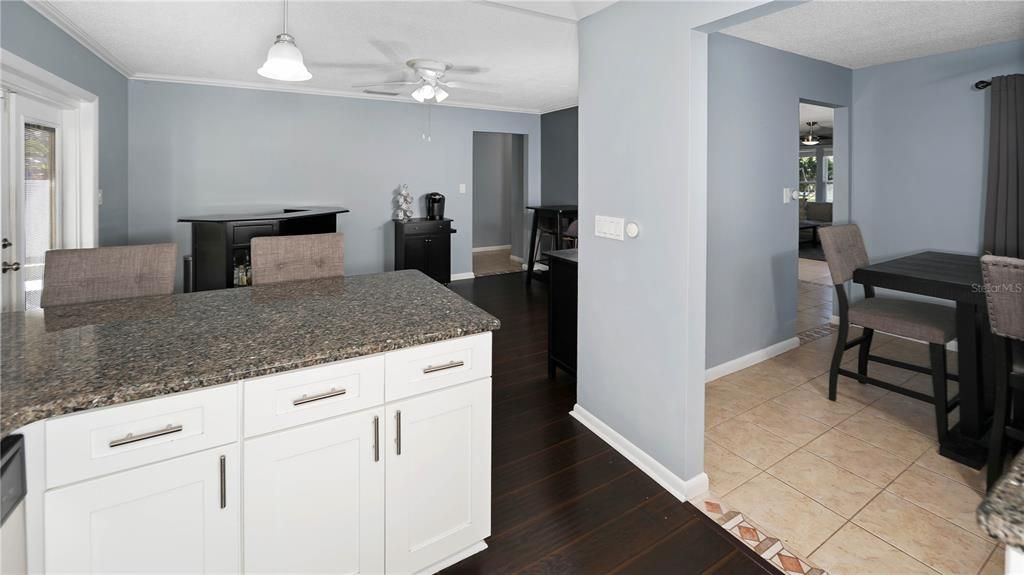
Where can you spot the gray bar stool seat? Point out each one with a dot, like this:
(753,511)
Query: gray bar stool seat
(99,274)
(932,323)
(290,258)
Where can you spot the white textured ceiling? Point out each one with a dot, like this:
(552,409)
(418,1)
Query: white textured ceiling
(811,113)
(526,60)
(867,33)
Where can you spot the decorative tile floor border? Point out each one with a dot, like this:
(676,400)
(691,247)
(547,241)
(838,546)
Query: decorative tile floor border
(768,547)
(816,333)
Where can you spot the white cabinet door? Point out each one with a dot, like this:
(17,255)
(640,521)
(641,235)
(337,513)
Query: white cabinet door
(314,498)
(439,475)
(177,516)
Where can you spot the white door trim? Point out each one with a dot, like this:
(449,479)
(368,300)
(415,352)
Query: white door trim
(80,148)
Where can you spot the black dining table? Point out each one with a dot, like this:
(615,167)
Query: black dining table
(956,278)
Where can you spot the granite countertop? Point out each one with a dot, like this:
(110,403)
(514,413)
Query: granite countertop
(572,255)
(1001,513)
(72,358)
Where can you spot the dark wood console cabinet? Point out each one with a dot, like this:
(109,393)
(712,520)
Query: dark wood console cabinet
(219,241)
(563,269)
(425,245)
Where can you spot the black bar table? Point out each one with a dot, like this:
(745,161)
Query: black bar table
(957,278)
(556,211)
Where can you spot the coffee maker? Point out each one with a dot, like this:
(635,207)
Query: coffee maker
(435,206)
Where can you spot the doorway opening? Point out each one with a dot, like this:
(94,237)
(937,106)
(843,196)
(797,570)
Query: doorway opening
(499,193)
(816,191)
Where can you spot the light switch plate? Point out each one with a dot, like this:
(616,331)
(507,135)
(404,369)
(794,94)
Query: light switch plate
(787,195)
(609,227)
(462,188)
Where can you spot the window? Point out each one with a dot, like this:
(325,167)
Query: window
(816,168)
(808,177)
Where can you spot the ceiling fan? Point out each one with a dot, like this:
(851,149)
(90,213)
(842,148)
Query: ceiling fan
(430,81)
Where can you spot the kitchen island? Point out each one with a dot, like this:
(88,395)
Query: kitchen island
(255,429)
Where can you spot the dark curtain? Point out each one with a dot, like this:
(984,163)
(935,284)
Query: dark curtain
(1004,206)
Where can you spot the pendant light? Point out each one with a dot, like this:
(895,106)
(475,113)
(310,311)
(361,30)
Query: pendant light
(810,140)
(284,61)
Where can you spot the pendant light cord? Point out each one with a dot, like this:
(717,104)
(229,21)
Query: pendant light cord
(285,16)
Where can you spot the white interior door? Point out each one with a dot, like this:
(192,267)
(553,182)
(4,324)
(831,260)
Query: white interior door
(33,138)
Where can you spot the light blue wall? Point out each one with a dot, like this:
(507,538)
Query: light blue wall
(200,149)
(498,177)
(24,32)
(560,156)
(753,118)
(920,149)
(641,309)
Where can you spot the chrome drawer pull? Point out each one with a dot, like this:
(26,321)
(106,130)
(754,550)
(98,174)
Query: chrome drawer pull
(332,393)
(449,365)
(132,438)
(398,432)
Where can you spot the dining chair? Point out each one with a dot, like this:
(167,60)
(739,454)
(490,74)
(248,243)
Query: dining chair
(932,323)
(88,275)
(1004,295)
(278,259)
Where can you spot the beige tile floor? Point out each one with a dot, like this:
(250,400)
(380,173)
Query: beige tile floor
(814,300)
(495,262)
(853,486)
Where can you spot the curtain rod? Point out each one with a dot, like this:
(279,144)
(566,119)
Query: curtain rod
(982,84)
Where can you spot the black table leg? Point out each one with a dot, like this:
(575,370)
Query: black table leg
(965,441)
(558,231)
(533,249)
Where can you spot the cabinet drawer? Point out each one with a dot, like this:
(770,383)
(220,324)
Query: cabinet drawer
(241,235)
(305,395)
(98,442)
(433,366)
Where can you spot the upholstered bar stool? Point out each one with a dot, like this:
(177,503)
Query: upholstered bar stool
(932,323)
(1004,282)
(108,273)
(289,258)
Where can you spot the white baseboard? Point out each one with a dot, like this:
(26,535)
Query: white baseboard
(682,489)
(454,558)
(516,259)
(491,248)
(750,359)
(463,276)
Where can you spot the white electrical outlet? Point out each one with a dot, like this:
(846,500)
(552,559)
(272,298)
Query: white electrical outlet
(609,227)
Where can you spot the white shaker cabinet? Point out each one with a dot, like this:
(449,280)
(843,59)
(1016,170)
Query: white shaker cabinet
(438,475)
(314,498)
(176,516)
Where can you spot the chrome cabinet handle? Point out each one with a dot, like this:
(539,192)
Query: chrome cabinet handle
(442,367)
(223,481)
(332,393)
(398,432)
(376,438)
(132,438)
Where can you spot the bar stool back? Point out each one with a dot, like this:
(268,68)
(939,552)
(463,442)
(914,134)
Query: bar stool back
(115,272)
(1004,294)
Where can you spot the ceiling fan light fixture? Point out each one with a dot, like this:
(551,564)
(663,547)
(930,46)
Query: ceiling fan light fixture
(284,61)
(810,140)
(417,94)
(440,95)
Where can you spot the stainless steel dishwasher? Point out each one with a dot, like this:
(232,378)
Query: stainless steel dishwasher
(12,496)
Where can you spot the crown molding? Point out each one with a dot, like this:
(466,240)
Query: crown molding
(54,15)
(316,92)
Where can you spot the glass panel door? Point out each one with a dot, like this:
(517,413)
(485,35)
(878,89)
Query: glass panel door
(31,160)
(40,201)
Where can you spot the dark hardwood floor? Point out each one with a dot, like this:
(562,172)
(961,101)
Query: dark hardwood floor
(563,501)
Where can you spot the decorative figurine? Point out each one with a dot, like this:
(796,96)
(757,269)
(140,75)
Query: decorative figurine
(404,201)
